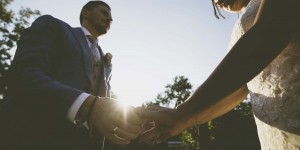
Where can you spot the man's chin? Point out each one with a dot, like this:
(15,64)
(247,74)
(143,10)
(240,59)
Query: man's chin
(102,31)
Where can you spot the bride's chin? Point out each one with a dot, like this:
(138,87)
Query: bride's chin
(232,9)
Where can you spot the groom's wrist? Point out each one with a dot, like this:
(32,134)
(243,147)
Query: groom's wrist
(82,114)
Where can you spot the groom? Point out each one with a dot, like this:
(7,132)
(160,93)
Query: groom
(55,79)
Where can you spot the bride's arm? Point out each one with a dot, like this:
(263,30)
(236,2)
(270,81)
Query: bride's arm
(170,121)
(220,108)
(274,26)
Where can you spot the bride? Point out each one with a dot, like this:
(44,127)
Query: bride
(275,92)
(264,61)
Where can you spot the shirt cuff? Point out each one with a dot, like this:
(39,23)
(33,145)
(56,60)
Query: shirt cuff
(71,114)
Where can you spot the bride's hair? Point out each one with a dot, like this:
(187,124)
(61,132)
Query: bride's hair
(217,11)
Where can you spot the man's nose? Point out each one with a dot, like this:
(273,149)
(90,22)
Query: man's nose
(109,20)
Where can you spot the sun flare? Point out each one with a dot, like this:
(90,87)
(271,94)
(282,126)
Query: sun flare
(124,105)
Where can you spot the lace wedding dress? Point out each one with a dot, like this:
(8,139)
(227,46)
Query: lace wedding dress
(275,92)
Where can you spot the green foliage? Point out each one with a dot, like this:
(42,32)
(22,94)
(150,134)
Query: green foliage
(11,26)
(188,140)
(244,109)
(175,93)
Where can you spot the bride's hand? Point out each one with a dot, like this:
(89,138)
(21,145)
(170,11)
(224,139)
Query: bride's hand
(167,123)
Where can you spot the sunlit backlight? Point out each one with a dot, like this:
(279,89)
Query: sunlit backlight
(124,106)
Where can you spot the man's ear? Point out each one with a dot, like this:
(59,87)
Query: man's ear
(85,13)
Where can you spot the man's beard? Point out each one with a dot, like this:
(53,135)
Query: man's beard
(99,28)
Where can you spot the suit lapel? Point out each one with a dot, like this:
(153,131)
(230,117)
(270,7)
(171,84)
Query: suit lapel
(87,54)
(102,60)
(88,62)
(103,73)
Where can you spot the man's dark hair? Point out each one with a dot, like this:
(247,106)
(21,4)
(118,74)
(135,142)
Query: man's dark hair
(90,6)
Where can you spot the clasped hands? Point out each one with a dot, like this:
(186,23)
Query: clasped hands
(120,125)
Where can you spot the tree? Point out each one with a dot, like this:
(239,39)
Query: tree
(174,95)
(11,26)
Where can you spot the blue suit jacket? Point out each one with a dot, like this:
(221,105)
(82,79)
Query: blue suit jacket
(51,68)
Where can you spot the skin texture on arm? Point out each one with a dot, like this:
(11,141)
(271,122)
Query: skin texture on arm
(166,119)
(224,106)
(275,24)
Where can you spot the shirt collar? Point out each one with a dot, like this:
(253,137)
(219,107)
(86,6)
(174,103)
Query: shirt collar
(87,32)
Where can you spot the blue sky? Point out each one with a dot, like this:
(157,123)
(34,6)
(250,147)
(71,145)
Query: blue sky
(152,41)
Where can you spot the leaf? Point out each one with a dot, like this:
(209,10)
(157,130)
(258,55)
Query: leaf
(11,26)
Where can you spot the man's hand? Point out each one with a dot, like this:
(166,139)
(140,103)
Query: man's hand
(111,120)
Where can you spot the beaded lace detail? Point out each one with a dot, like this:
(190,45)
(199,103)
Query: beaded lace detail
(275,92)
